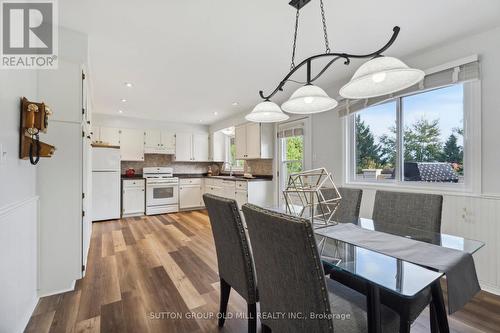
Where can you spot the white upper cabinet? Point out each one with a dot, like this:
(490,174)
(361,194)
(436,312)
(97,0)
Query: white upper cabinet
(217,147)
(152,141)
(254,141)
(108,135)
(168,142)
(200,147)
(240,138)
(132,145)
(191,147)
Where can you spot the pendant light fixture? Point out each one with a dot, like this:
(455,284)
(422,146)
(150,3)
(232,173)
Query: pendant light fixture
(266,112)
(309,99)
(381,76)
(377,77)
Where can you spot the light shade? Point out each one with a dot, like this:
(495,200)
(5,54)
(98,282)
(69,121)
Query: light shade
(381,76)
(266,112)
(309,99)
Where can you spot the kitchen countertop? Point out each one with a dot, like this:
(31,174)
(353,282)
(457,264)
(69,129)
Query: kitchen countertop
(225,177)
(136,176)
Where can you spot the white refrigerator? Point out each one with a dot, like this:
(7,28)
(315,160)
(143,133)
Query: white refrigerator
(105,183)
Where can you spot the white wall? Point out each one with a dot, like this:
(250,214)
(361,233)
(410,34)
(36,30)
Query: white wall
(474,216)
(18,208)
(106,120)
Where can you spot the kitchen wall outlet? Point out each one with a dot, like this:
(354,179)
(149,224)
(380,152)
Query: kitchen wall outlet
(3,155)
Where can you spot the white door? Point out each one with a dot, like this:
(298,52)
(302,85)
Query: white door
(190,196)
(133,200)
(200,147)
(183,147)
(253,140)
(152,141)
(168,142)
(240,134)
(109,136)
(132,145)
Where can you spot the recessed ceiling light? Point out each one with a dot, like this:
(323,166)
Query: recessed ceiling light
(216,113)
(120,111)
(123,100)
(128,84)
(235,104)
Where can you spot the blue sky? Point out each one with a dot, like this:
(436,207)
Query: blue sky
(445,104)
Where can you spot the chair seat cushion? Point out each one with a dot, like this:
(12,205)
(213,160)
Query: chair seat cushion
(349,309)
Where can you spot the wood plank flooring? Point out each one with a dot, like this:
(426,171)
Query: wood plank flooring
(148,274)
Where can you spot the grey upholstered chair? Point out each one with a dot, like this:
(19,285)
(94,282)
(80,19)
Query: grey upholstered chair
(416,210)
(234,256)
(292,281)
(349,206)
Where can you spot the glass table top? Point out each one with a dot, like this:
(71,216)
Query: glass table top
(436,238)
(395,275)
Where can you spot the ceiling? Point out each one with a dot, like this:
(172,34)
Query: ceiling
(189,59)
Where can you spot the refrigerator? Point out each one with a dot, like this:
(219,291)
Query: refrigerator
(105,183)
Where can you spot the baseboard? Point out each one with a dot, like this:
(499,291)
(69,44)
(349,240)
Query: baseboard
(55,292)
(27,316)
(490,288)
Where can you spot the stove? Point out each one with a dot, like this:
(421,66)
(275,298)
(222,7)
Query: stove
(162,191)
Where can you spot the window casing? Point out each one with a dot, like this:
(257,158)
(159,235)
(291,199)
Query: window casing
(467,133)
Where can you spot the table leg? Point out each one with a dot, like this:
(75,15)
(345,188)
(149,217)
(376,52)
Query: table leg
(373,308)
(439,309)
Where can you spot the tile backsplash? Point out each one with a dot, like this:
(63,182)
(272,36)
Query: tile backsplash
(160,160)
(256,167)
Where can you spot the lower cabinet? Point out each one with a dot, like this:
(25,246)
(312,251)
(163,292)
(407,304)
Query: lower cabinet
(133,197)
(190,193)
(241,197)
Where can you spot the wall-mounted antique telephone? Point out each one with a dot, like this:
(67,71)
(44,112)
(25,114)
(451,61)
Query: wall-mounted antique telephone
(34,119)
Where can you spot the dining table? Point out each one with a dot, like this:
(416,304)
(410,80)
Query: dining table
(383,270)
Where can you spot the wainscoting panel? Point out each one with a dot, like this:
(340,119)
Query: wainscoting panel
(19,258)
(471,217)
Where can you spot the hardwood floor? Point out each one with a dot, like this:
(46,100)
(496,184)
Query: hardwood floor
(148,274)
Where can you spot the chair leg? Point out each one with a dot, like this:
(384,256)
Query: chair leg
(404,322)
(266,329)
(225,289)
(252,318)
(433,319)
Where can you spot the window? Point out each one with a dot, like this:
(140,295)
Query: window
(231,154)
(291,150)
(414,139)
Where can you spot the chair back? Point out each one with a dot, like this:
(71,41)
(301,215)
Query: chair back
(234,255)
(291,278)
(416,210)
(349,206)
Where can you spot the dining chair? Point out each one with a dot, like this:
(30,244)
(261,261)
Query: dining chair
(419,211)
(234,256)
(416,210)
(349,206)
(292,281)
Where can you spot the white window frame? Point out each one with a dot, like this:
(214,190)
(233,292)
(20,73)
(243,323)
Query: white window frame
(227,156)
(472,149)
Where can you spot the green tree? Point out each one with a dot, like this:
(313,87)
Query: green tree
(452,152)
(388,148)
(422,141)
(368,152)
(294,152)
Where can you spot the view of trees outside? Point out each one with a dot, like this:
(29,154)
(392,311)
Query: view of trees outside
(294,153)
(432,131)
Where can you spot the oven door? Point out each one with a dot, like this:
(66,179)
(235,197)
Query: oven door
(162,194)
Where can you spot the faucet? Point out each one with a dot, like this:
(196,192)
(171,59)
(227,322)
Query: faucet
(230,168)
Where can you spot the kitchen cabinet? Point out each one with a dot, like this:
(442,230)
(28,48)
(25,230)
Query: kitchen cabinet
(228,189)
(107,135)
(218,147)
(159,142)
(190,193)
(133,197)
(254,141)
(241,197)
(255,192)
(191,147)
(132,145)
